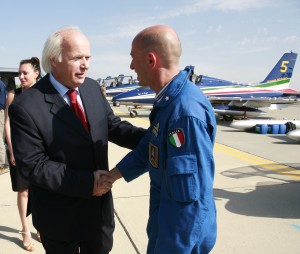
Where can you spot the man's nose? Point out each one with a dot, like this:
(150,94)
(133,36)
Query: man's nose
(131,65)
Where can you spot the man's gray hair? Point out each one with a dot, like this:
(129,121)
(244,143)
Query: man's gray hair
(53,47)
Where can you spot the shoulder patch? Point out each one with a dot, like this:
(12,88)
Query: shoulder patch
(176,137)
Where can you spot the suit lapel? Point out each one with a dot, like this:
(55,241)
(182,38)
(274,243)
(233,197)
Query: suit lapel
(62,110)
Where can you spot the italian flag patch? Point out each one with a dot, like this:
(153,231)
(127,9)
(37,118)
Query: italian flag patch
(176,137)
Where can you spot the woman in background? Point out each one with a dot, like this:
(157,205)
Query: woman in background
(29,74)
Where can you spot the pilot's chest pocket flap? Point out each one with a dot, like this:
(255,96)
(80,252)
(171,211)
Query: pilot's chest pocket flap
(182,178)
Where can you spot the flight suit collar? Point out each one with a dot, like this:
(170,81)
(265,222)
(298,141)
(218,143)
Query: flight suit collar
(172,89)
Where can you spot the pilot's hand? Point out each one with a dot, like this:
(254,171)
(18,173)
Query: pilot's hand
(102,183)
(115,174)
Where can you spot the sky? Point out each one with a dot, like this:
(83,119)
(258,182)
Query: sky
(236,40)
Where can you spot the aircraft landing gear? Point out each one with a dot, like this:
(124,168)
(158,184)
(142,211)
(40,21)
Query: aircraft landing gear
(133,113)
(227,118)
(116,104)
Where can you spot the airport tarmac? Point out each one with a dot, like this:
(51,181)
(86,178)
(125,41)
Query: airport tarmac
(257,186)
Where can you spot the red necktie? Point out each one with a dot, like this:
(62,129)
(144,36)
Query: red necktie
(77,108)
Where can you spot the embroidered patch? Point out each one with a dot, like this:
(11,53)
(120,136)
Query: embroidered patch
(176,137)
(153,155)
(155,129)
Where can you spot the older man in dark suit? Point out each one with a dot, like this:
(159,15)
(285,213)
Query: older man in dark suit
(60,144)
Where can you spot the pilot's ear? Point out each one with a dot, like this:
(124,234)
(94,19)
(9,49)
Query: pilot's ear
(152,59)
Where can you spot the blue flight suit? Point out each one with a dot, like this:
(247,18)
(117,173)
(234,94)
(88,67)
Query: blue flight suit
(178,153)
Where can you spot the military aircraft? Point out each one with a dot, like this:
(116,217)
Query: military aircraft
(113,86)
(231,99)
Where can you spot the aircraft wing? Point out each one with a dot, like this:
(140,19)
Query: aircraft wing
(252,102)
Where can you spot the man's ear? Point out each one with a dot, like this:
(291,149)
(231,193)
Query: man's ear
(52,62)
(152,59)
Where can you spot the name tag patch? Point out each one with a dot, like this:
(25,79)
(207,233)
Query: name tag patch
(153,155)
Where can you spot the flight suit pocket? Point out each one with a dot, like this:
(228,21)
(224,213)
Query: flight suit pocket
(182,178)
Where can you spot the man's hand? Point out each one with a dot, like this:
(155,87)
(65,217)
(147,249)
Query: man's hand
(102,182)
(115,174)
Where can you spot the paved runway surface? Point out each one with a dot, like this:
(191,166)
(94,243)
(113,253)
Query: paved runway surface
(257,188)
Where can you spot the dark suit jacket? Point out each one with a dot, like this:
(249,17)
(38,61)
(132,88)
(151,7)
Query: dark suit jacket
(57,156)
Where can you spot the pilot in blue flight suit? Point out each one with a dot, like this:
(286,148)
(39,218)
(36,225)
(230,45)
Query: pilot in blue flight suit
(178,151)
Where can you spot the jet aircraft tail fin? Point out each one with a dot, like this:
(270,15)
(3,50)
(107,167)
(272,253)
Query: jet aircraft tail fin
(283,69)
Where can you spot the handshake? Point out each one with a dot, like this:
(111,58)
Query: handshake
(103,181)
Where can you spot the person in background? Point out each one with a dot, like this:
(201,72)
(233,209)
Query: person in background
(177,149)
(3,160)
(29,73)
(60,129)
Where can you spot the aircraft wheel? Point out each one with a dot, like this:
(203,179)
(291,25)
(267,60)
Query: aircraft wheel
(227,118)
(116,104)
(133,113)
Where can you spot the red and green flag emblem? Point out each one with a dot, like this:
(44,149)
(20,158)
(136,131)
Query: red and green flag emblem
(176,137)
